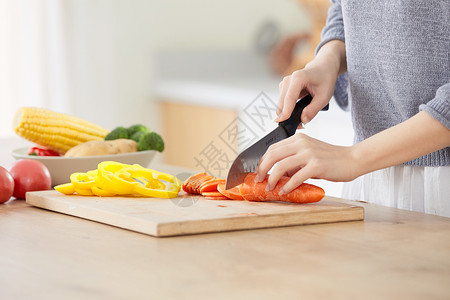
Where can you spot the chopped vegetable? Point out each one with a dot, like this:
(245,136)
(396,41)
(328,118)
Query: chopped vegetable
(212,194)
(305,193)
(117,133)
(205,185)
(113,178)
(94,148)
(210,185)
(192,184)
(56,131)
(217,198)
(214,189)
(41,151)
(150,141)
(66,188)
(232,193)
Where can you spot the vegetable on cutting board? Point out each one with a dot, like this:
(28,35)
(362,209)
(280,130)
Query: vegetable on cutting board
(233,193)
(56,131)
(214,189)
(113,178)
(93,148)
(305,193)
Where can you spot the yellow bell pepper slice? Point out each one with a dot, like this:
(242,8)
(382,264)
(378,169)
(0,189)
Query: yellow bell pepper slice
(66,188)
(113,178)
(82,181)
(102,193)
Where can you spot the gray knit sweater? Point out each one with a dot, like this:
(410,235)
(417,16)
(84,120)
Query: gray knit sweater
(398,62)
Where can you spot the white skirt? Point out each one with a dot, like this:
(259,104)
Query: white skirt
(422,189)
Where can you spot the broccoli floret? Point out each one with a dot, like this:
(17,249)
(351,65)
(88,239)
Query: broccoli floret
(150,141)
(117,133)
(137,135)
(137,128)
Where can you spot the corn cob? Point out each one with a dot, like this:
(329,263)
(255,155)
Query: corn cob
(56,131)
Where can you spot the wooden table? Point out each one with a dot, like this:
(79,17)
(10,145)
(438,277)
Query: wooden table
(393,254)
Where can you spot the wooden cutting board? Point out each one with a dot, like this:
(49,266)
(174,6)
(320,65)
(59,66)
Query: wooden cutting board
(189,214)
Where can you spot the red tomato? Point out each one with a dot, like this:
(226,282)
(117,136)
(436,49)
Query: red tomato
(6,185)
(30,175)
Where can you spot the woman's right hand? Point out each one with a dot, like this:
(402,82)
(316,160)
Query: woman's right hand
(318,79)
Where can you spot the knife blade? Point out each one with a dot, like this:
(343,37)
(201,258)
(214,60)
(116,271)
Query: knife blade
(248,160)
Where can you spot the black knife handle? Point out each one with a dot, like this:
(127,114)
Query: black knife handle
(291,124)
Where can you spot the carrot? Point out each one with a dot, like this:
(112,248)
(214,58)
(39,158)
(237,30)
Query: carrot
(232,193)
(191,184)
(212,194)
(199,182)
(187,184)
(211,185)
(217,198)
(305,193)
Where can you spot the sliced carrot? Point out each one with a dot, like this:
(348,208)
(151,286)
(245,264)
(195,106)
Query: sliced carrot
(211,185)
(200,181)
(305,193)
(232,193)
(217,198)
(186,186)
(190,184)
(212,194)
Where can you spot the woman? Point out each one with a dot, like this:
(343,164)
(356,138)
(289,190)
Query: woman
(390,62)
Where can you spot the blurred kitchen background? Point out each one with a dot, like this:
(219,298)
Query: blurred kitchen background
(202,73)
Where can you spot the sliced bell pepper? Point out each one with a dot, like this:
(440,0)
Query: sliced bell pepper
(41,151)
(113,178)
(66,188)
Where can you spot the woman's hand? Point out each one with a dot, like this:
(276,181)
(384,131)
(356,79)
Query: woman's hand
(301,157)
(318,79)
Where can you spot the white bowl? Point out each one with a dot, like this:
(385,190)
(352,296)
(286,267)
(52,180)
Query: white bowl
(61,167)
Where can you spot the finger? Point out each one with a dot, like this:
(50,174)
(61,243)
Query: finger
(282,143)
(272,157)
(297,179)
(292,171)
(310,111)
(303,93)
(284,84)
(296,85)
(281,168)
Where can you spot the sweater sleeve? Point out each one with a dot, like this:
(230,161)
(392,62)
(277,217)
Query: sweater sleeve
(334,30)
(334,27)
(439,106)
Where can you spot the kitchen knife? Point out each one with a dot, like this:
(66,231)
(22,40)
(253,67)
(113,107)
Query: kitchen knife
(248,160)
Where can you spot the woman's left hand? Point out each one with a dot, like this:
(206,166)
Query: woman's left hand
(301,157)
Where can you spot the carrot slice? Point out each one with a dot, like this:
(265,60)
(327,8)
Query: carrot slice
(190,184)
(217,198)
(211,185)
(232,193)
(212,194)
(200,181)
(305,193)
(187,184)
